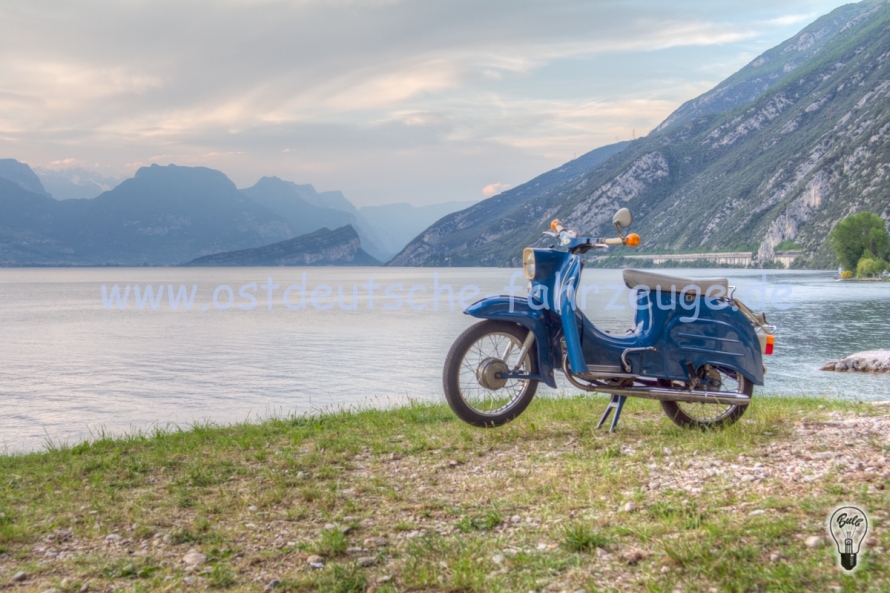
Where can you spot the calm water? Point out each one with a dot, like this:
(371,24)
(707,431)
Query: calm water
(70,367)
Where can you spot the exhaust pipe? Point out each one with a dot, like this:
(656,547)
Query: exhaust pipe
(680,395)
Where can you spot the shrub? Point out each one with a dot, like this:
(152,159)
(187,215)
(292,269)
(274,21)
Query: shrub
(869,267)
(846,274)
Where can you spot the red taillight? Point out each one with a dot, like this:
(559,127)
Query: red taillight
(770,341)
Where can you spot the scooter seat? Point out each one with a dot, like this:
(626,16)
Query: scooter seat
(634,278)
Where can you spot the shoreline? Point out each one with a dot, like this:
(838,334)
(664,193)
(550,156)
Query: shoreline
(412,499)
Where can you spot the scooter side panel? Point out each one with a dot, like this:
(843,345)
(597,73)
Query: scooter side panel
(717,337)
(542,322)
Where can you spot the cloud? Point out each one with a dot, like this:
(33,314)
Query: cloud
(493,189)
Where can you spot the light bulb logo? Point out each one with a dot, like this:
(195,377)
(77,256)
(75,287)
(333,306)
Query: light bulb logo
(848,526)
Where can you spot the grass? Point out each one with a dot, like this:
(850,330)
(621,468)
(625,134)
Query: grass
(412,499)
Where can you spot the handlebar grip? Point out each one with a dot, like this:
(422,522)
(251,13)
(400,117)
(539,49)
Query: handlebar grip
(614,241)
(557,226)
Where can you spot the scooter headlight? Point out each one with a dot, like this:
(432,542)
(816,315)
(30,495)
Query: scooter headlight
(528,263)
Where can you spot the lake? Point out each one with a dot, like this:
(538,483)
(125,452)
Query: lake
(76,361)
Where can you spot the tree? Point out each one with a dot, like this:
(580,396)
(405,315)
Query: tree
(856,234)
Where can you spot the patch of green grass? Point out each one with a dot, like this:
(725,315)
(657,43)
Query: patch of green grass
(221,576)
(130,569)
(581,537)
(342,579)
(486,522)
(332,542)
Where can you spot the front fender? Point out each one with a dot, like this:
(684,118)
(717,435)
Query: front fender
(503,308)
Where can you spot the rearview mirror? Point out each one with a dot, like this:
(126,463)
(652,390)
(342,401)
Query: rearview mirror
(623,218)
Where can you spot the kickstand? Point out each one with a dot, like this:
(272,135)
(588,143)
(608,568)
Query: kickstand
(617,403)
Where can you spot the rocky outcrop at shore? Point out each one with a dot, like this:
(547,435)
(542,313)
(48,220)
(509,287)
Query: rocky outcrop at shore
(872,361)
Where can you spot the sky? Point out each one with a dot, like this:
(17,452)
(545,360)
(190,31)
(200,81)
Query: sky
(419,101)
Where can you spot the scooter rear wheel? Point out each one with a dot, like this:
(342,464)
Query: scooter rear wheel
(705,416)
(471,377)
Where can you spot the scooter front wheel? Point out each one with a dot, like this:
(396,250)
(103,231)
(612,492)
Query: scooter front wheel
(474,387)
(704,416)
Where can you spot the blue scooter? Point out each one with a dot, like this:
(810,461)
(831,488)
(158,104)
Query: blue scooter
(694,347)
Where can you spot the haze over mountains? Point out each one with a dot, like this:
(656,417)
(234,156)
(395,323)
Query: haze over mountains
(779,152)
(75,183)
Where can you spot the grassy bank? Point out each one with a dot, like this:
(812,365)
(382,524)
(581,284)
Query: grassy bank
(412,499)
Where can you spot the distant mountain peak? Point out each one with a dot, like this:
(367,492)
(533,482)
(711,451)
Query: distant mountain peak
(75,183)
(22,175)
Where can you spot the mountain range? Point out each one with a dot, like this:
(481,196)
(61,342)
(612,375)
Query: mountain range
(778,153)
(169,215)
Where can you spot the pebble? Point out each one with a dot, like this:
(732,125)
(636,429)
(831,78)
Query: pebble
(367,560)
(19,577)
(633,556)
(515,519)
(329,526)
(630,507)
(602,554)
(814,541)
(383,579)
(272,584)
(315,561)
(774,557)
(51,591)
(194,558)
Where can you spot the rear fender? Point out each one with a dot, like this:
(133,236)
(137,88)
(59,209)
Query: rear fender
(502,308)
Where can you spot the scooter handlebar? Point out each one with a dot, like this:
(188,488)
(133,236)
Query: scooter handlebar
(614,241)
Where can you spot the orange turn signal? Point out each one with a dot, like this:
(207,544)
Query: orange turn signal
(770,342)
(632,239)
(555,224)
